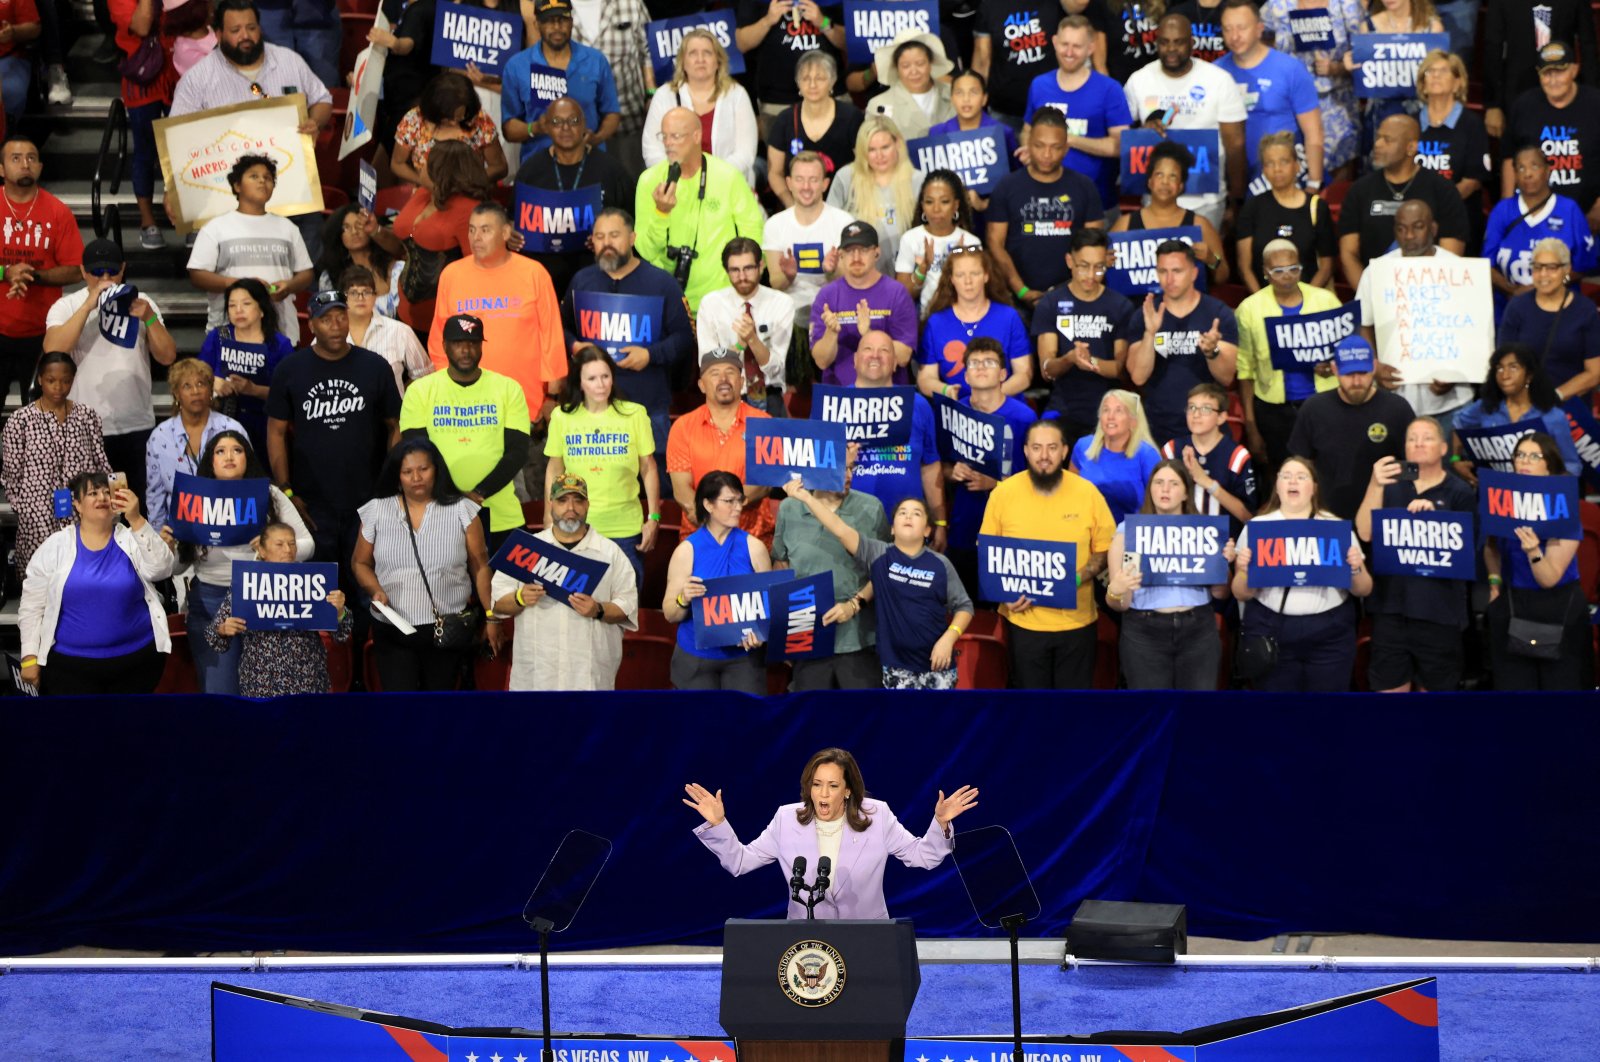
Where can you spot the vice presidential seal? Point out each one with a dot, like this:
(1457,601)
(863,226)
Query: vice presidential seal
(811,973)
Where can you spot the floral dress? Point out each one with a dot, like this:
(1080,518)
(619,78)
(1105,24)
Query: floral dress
(278,663)
(416,132)
(1341,133)
(42,455)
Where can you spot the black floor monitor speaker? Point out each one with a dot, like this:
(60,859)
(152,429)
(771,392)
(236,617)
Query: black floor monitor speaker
(1128,932)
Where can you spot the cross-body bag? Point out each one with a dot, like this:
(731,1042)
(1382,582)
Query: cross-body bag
(1530,638)
(419,281)
(458,630)
(144,66)
(1258,653)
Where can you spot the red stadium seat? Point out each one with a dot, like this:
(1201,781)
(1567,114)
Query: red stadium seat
(179,676)
(777,679)
(493,674)
(533,514)
(393,199)
(654,590)
(338,663)
(356,26)
(334,198)
(647,653)
(1334,195)
(1106,663)
(981,653)
(1589,551)
(1363,654)
(1225,666)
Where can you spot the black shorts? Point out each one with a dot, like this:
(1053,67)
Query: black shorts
(1414,651)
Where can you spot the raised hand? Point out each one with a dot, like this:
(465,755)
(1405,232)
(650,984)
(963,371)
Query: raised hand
(830,321)
(707,803)
(863,317)
(1152,315)
(787,264)
(949,807)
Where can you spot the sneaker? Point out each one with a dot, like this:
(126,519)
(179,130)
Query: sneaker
(60,93)
(151,239)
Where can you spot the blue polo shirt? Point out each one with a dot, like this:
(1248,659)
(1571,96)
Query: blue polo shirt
(589,81)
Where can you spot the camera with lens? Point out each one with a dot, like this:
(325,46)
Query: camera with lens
(682,261)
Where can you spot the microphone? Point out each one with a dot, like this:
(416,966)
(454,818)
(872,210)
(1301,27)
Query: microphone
(824,869)
(674,171)
(797,877)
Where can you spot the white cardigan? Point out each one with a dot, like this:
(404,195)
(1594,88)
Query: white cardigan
(733,128)
(40,607)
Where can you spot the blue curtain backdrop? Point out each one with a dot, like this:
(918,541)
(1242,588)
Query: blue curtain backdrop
(415,823)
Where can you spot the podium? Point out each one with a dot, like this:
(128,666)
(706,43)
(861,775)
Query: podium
(829,990)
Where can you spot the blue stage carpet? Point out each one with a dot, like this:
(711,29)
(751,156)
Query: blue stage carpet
(101,1016)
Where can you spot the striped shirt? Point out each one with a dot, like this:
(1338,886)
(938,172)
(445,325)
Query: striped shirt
(398,345)
(215,82)
(442,543)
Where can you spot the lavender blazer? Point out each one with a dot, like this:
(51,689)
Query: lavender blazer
(857,879)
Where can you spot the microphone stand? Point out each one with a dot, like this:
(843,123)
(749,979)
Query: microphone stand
(816,892)
(543,926)
(1013,925)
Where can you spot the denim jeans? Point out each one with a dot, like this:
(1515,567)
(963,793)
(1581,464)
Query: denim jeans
(146,161)
(218,672)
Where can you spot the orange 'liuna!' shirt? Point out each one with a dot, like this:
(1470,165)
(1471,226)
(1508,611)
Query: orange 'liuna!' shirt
(521,320)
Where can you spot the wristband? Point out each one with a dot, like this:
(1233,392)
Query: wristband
(953,627)
(941,523)
(1077,580)
(272,289)
(155,319)
(680,601)
(287,492)
(29,661)
(1535,558)
(1495,580)
(1454,458)
(1023,291)
(1559,396)
(1113,596)
(656,517)
(827,23)
(2,272)
(920,275)
(517,597)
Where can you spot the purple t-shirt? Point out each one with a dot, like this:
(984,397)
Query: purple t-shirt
(892,312)
(103,611)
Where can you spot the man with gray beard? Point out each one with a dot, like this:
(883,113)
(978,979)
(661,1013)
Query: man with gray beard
(644,370)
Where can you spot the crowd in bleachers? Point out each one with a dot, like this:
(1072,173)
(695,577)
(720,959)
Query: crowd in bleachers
(419,380)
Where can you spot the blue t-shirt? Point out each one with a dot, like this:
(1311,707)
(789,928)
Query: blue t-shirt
(589,81)
(1121,478)
(1180,365)
(894,473)
(103,611)
(1573,333)
(1552,421)
(1519,573)
(256,364)
(966,506)
(945,338)
(914,598)
(712,561)
(1041,218)
(1275,90)
(1298,384)
(1098,323)
(1509,237)
(1091,110)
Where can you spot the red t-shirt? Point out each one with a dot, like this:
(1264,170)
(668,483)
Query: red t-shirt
(439,231)
(44,234)
(18,13)
(161,88)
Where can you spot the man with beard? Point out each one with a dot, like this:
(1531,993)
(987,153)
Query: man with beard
(244,67)
(40,252)
(1052,648)
(567,165)
(753,320)
(711,439)
(576,645)
(1349,430)
(479,421)
(644,370)
(524,119)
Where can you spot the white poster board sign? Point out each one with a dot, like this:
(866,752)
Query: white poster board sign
(365,81)
(197,151)
(1433,317)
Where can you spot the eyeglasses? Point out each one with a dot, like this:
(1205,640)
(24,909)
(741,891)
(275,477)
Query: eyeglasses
(983,363)
(1284,271)
(735,500)
(1213,410)
(1548,267)
(1529,455)
(360,293)
(1508,367)
(565,123)
(966,248)
(673,138)
(105,272)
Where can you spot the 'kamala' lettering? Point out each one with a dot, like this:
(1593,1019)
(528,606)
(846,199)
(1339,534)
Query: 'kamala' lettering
(1299,551)
(542,567)
(220,511)
(1526,505)
(736,608)
(790,450)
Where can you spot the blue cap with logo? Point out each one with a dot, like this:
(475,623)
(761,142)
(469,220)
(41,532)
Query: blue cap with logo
(1354,355)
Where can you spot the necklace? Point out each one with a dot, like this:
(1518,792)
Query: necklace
(1401,194)
(830,829)
(32,205)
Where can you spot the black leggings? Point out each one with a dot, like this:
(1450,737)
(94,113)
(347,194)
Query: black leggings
(411,663)
(64,675)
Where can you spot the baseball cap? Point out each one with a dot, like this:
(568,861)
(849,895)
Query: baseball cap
(102,256)
(721,356)
(1354,355)
(463,326)
(543,9)
(1556,53)
(323,301)
(859,234)
(569,484)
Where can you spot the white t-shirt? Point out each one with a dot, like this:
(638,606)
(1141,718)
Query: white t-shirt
(267,247)
(112,380)
(1296,600)
(1418,393)
(1203,98)
(809,244)
(911,248)
(586,13)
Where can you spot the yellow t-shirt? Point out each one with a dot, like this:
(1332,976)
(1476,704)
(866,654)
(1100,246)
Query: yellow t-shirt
(1075,512)
(604,448)
(467,423)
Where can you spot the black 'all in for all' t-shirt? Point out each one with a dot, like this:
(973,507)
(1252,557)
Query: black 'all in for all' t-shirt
(780,50)
(1020,33)
(1567,136)
(1206,21)
(337,410)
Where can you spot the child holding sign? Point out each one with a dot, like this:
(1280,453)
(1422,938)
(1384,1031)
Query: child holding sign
(277,663)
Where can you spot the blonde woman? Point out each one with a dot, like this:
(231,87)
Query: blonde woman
(700,82)
(1463,144)
(1119,458)
(880,186)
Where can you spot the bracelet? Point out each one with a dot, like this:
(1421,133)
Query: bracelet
(827,23)
(949,389)
(1113,597)
(919,274)
(656,517)
(953,627)
(287,492)
(1213,488)
(29,661)
(155,319)
(1357,571)
(517,597)
(1559,396)
(1495,580)
(1023,291)
(681,603)
(1077,580)
(1535,559)
(1454,458)
(941,523)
